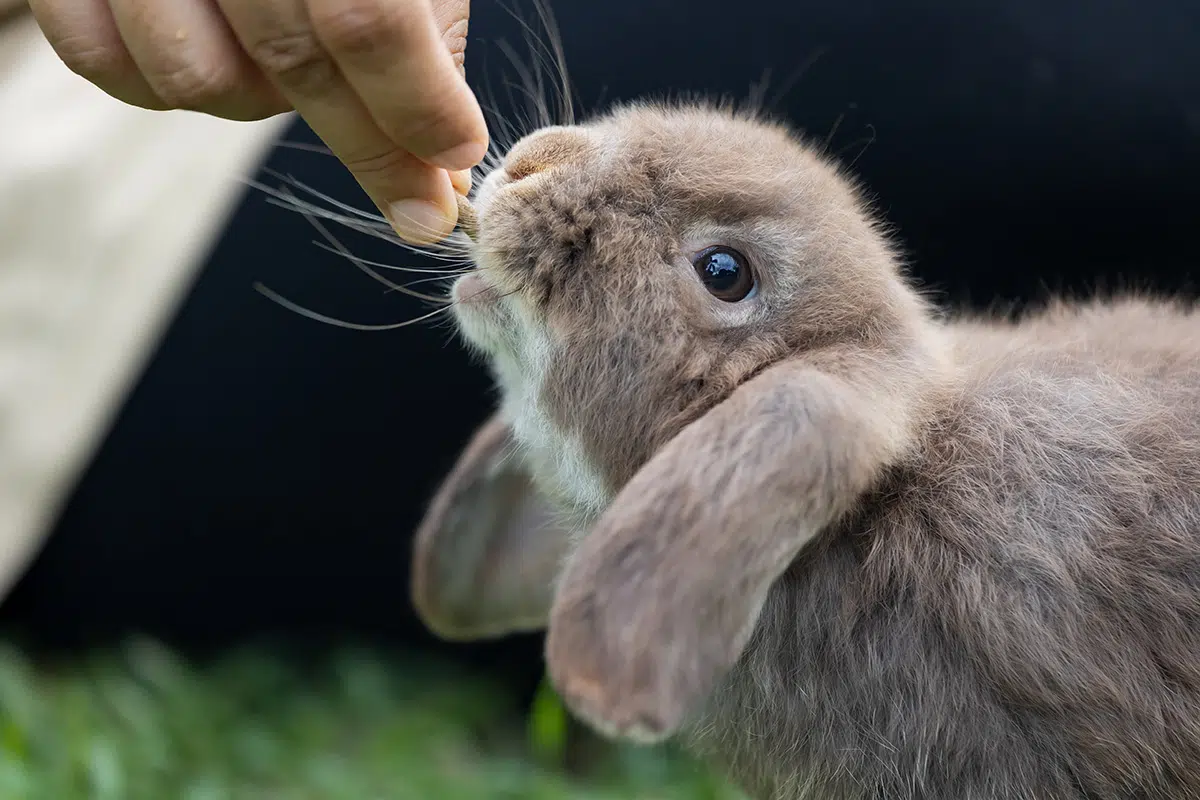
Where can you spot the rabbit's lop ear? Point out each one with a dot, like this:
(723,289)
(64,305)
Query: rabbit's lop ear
(487,552)
(661,597)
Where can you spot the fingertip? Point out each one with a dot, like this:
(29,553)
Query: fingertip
(417,200)
(470,145)
(460,157)
(425,220)
(420,222)
(462,180)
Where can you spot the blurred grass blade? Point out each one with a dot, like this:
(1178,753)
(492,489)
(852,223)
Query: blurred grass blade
(548,725)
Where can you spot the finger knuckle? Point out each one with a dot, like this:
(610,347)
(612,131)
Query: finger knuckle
(439,122)
(377,167)
(194,86)
(296,60)
(90,60)
(360,26)
(455,38)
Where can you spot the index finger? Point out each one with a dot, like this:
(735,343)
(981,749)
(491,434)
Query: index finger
(403,59)
(417,197)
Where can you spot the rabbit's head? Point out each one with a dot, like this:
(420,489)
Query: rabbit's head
(633,271)
(705,351)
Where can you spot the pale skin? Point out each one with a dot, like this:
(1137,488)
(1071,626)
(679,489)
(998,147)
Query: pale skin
(380,81)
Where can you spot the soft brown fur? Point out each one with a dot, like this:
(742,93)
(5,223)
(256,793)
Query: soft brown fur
(846,548)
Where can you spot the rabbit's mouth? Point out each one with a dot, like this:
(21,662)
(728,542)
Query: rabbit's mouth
(473,288)
(480,311)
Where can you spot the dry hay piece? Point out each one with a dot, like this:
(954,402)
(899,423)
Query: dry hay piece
(466,216)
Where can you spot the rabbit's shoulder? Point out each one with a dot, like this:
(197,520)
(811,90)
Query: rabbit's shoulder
(1029,577)
(1041,554)
(1131,339)
(1071,440)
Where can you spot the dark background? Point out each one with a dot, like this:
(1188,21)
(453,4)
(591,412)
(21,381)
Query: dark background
(266,471)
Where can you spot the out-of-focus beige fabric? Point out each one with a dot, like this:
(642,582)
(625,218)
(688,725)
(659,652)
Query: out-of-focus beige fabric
(105,213)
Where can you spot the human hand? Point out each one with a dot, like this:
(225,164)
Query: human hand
(380,81)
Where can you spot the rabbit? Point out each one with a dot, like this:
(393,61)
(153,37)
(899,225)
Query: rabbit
(767,500)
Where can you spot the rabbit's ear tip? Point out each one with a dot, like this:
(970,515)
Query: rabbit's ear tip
(631,676)
(614,709)
(444,618)
(469,621)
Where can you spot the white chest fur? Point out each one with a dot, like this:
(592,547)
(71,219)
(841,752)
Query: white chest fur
(555,456)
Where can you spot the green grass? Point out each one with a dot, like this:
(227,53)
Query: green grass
(141,723)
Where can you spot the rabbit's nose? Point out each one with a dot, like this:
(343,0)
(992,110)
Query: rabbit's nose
(545,150)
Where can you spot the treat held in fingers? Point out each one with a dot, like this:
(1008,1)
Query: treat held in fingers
(466,217)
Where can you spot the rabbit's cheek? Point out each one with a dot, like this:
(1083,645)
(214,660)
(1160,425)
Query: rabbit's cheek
(557,458)
(562,473)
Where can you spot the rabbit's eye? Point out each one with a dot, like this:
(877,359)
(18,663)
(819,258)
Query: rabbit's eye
(725,273)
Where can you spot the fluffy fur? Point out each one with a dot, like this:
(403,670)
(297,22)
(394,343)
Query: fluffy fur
(841,545)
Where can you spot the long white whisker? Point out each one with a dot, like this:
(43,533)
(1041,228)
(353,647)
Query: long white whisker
(549,58)
(566,93)
(349,209)
(445,272)
(319,317)
(434,279)
(341,249)
(794,78)
(457,252)
(520,111)
(290,201)
(360,220)
(535,106)
(311,148)
(531,87)
(296,205)
(508,132)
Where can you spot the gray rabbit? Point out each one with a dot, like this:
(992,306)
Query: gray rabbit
(764,499)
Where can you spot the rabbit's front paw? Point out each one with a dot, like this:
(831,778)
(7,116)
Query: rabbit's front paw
(624,675)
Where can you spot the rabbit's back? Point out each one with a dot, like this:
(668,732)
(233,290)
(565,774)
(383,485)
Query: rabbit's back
(1132,340)
(1015,612)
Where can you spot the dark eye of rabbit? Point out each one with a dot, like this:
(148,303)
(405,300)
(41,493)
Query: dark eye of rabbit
(725,273)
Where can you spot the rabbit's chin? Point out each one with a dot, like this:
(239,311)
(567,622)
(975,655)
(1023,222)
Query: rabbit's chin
(479,312)
(473,289)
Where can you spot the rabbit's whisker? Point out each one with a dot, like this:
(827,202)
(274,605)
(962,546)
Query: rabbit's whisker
(319,317)
(448,271)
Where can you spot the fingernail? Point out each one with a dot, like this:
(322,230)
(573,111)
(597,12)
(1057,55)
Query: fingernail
(464,156)
(419,222)
(461,181)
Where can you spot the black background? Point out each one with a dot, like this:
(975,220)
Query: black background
(266,471)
